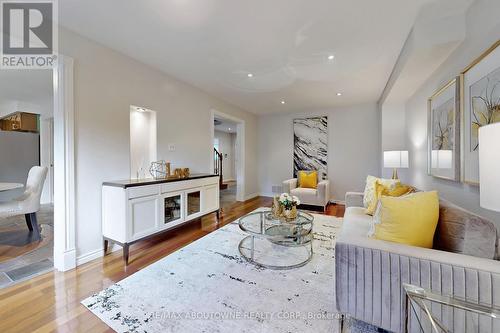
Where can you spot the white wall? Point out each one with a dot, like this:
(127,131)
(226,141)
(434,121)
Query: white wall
(353,148)
(42,107)
(483,27)
(226,147)
(7,107)
(106,84)
(393,135)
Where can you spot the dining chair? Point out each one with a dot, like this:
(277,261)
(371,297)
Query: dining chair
(29,202)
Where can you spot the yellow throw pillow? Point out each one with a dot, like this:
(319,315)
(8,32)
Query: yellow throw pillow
(410,219)
(308,179)
(393,191)
(398,190)
(379,188)
(369,194)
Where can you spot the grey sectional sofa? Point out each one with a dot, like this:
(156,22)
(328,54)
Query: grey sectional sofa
(370,272)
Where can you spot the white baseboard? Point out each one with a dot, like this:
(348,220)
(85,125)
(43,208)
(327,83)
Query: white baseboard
(65,261)
(96,254)
(338,202)
(89,256)
(251,196)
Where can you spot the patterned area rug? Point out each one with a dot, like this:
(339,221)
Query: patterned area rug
(208,287)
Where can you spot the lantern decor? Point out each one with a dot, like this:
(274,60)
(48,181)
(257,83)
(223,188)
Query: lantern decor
(159,169)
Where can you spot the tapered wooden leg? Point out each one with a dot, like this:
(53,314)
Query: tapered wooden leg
(105,246)
(125,253)
(32,223)
(28,221)
(36,227)
(218,216)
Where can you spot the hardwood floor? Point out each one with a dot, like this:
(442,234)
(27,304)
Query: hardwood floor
(51,302)
(16,240)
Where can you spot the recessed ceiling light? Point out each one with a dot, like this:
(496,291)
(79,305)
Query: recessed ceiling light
(250,75)
(339,94)
(331,57)
(229,128)
(282,102)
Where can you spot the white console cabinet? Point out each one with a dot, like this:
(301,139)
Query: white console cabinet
(136,209)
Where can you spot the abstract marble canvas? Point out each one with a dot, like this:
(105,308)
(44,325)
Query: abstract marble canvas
(310,152)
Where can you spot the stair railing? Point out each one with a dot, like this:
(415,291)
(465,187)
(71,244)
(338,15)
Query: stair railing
(218,165)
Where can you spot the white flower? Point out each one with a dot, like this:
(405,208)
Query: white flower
(297,201)
(283,196)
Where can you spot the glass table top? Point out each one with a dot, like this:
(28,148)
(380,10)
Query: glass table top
(264,225)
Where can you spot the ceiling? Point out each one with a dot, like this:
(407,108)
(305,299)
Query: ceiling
(285,44)
(438,30)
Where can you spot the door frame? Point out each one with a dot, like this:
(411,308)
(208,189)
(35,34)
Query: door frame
(240,152)
(47,157)
(64,165)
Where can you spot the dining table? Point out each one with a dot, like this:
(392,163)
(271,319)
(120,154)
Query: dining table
(10,186)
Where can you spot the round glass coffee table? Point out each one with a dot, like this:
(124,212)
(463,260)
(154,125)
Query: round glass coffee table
(276,244)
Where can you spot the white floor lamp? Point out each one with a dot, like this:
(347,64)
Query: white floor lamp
(489,166)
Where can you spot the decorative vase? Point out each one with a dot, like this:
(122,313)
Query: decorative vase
(178,173)
(276,209)
(290,214)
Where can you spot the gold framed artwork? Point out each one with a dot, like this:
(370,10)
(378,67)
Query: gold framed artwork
(480,105)
(444,121)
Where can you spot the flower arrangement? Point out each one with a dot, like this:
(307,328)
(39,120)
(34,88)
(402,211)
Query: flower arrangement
(288,201)
(285,206)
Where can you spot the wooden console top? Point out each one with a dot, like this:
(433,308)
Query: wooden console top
(150,181)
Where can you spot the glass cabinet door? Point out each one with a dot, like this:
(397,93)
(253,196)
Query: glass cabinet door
(172,208)
(193,203)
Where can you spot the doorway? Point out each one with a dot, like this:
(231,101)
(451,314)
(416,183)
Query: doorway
(26,141)
(227,149)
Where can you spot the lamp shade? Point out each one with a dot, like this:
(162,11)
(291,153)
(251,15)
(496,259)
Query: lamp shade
(396,159)
(489,166)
